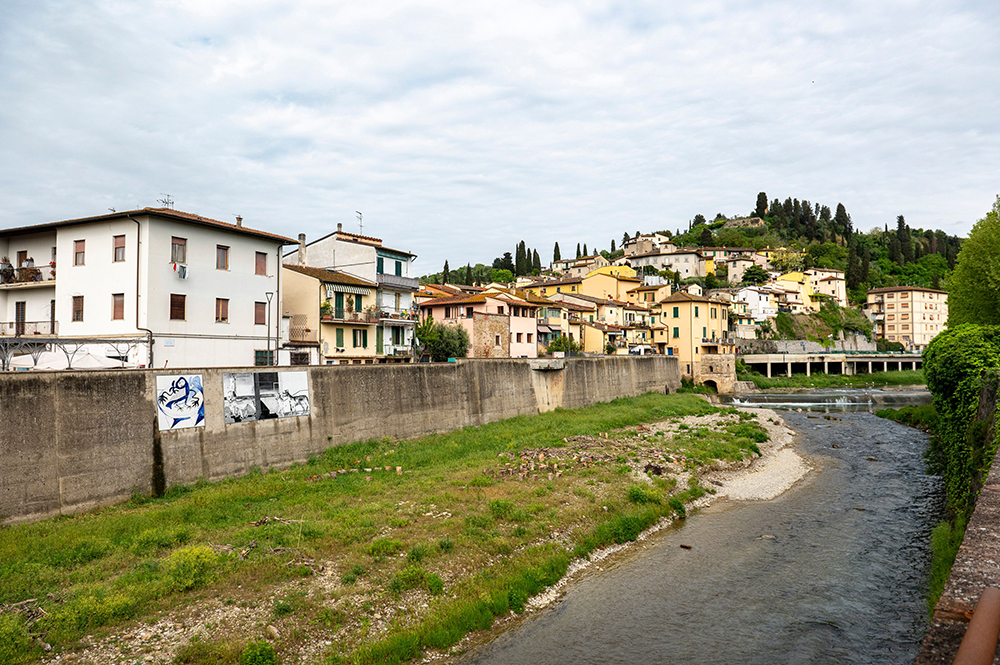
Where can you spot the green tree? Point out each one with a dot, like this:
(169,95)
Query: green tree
(441,341)
(975,285)
(502,276)
(706,237)
(761,209)
(755,275)
(445,274)
(905,240)
(556,256)
(564,344)
(585,253)
(612,245)
(578,255)
(536,263)
(698,219)
(519,262)
(506,263)
(468,274)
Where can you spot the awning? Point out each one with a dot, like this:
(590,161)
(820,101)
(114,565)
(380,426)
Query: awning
(544,329)
(344,288)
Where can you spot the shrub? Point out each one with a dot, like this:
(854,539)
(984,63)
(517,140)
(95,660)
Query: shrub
(191,567)
(16,645)
(383,547)
(751,431)
(642,495)
(445,545)
(258,653)
(416,554)
(435,585)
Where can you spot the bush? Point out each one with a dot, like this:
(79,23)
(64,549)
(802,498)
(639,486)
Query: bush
(191,567)
(642,495)
(751,431)
(258,653)
(16,645)
(383,547)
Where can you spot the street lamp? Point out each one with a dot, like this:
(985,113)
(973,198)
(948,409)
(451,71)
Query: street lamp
(270,359)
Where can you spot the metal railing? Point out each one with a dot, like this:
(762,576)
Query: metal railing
(342,314)
(392,313)
(24,328)
(397,281)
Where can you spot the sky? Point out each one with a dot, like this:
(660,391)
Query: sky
(461,128)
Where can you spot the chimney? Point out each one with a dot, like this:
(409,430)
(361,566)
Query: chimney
(239,221)
(340,227)
(302,249)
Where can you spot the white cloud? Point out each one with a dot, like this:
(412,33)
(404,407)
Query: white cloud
(460,129)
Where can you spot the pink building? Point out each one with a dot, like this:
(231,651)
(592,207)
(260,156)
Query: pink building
(499,325)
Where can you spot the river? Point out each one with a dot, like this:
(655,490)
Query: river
(832,571)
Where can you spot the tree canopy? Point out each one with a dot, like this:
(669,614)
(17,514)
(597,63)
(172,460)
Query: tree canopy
(975,285)
(441,341)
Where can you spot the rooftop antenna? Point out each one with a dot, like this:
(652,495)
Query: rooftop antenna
(361,221)
(112,210)
(166,201)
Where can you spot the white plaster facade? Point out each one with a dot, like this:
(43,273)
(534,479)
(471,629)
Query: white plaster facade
(105,293)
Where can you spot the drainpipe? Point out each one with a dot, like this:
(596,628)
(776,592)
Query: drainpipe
(149,333)
(277,331)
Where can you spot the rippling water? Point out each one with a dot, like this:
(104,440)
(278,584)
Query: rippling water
(833,571)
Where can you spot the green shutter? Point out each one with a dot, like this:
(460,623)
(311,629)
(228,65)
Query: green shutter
(696,311)
(381,265)
(677,312)
(399,268)
(340,337)
(379,341)
(364,338)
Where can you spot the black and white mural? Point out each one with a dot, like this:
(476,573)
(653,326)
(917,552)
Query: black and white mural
(262,395)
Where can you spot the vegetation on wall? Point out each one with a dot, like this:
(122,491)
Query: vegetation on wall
(975,286)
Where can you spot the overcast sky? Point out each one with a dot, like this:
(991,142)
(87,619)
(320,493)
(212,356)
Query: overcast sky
(460,128)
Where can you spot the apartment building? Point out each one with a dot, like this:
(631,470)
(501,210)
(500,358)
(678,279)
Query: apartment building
(152,287)
(696,330)
(368,259)
(830,283)
(499,324)
(910,315)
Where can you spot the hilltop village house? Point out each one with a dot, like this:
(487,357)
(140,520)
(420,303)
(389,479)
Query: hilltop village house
(500,325)
(151,287)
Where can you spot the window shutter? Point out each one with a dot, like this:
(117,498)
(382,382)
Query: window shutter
(177,306)
(340,337)
(364,338)
(260,264)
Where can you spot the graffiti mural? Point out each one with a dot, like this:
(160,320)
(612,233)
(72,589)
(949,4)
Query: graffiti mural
(180,402)
(262,395)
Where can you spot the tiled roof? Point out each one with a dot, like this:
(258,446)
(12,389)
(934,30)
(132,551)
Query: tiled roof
(893,289)
(331,276)
(558,282)
(684,296)
(463,299)
(167,213)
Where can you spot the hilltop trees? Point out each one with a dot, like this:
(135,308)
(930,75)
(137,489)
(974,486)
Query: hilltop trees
(975,285)
(556,256)
(761,209)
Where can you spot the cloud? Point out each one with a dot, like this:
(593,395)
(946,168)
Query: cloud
(459,129)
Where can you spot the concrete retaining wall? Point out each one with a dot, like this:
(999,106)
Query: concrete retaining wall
(71,441)
(850,343)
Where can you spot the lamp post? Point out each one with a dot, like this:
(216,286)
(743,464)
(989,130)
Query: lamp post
(270,359)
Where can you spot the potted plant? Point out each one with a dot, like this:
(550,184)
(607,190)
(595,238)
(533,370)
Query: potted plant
(325,309)
(6,271)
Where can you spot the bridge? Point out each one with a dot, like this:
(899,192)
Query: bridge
(786,364)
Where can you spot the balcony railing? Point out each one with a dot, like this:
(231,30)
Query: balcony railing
(26,274)
(25,328)
(397,350)
(392,313)
(341,314)
(408,283)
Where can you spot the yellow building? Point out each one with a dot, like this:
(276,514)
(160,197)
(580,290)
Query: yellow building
(910,315)
(597,284)
(800,285)
(695,329)
(649,295)
(615,271)
(332,311)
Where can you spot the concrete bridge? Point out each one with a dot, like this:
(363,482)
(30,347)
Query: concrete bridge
(786,364)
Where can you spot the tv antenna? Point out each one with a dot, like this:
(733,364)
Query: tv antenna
(361,222)
(112,210)
(166,201)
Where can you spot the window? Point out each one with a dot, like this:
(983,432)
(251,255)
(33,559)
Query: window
(117,306)
(677,332)
(704,332)
(263,358)
(447,312)
(529,338)
(468,312)
(380,267)
(696,311)
(714,313)
(260,313)
(260,263)
(497,340)
(221,257)
(500,309)
(22,256)
(677,312)
(177,306)
(78,308)
(119,253)
(518,338)
(79,247)
(340,337)
(222,310)
(178,250)
(399,268)
(360,338)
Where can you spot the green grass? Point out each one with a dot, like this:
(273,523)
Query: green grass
(921,417)
(905,377)
(112,566)
(946,538)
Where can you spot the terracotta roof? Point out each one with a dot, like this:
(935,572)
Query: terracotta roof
(893,289)
(463,299)
(684,296)
(167,213)
(331,276)
(558,282)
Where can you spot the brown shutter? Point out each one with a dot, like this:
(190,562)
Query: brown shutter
(118,302)
(176,306)
(260,268)
(260,313)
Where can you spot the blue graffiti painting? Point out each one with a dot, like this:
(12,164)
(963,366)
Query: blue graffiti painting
(180,401)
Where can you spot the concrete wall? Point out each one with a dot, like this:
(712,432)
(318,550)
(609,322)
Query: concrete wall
(851,343)
(71,441)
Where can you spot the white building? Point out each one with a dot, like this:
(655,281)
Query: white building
(202,292)
(760,300)
(688,263)
(829,282)
(368,259)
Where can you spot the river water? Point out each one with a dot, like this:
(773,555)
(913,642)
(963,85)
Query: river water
(832,571)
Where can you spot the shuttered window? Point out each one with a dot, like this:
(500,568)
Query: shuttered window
(79,247)
(117,306)
(260,264)
(221,257)
(340,337)
(221,310)
(78,308)
(260,313)
(177,306)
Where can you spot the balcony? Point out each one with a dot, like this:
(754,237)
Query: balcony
(397,282)
(27,276)
(28,328)
(340,314)
(397,350)
(393,315)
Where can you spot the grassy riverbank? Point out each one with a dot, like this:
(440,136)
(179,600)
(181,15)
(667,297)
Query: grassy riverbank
(877,379)
(426,540)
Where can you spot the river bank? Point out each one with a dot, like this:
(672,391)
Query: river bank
(372,551)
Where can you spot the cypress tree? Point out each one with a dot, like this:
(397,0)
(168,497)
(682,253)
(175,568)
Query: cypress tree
(536,262)
(578,250)
(761,208)
(556,256)
(905,241)
(853,276)
(866,258)
(612,245)
(445,274)
(468,274)
(842,223)
(585,250)
(706,237)
(519,259)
